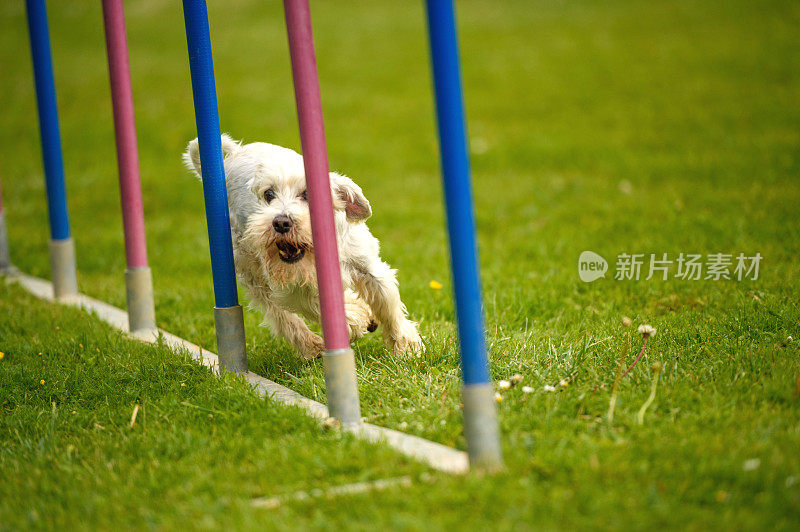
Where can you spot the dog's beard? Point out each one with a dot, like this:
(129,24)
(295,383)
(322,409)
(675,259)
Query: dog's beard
(287,258)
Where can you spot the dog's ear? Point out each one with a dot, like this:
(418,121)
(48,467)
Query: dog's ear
(348,196)
(191,158)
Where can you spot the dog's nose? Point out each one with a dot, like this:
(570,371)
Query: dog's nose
(282,224)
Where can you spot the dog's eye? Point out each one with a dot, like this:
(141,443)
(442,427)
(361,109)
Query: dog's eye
(269,195)
(304,196)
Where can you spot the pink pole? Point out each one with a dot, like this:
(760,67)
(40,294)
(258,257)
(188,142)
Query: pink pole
(138,279)
(315,157)
(125,129)
(5,259)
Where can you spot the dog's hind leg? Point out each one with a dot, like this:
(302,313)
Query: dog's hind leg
(359,315)
(378,286)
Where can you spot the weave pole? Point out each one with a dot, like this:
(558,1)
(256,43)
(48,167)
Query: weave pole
(5,256)
(338,359)
(62,248)
(138,279)
(228,317)
(480,417)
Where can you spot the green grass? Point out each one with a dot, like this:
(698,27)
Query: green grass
(200,449)
(659,127)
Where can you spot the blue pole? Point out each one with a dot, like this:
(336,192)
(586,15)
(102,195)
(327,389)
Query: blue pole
(228,312)
(208,133)
(62,251)
(479,410)
(48,119)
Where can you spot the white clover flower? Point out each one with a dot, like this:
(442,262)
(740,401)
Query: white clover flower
(752,464)
(647,330)
(516,379)
(527,389)
(549,388)
(626,321)
(504,385)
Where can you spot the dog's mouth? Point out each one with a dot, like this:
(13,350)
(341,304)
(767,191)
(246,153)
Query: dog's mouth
(288,252)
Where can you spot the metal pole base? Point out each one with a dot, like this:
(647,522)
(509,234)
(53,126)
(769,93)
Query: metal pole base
(341,385)
(62,268)
(229,322)
(480,427)
(139,292)
(5,259)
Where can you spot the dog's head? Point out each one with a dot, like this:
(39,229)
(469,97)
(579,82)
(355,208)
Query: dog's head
(268,205)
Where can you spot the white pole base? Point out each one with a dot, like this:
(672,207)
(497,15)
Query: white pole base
(341,385)
(139,292)
(5,258)
(229,323)
(62,268)
(480,427)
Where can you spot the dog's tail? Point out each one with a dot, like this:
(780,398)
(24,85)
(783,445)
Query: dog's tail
(191,157)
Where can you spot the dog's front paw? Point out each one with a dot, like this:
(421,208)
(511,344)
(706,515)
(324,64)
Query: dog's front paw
(312,347)
(404,339)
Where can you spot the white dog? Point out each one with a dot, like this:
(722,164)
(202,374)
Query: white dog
(274,253)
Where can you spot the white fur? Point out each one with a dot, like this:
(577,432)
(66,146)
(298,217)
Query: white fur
(286,291)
